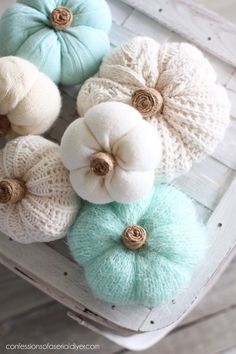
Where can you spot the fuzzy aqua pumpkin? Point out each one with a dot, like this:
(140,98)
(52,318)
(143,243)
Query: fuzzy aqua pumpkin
(142,253)
(66,39)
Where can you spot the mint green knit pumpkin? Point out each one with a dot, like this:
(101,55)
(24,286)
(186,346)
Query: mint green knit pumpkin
(152,274)
(68,45)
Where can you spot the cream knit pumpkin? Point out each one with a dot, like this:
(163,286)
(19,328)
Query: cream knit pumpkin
(37,202)
(173,86)
(29,101)
(111,153)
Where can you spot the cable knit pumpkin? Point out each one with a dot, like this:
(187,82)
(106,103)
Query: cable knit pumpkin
(143,253)
(111,153)
(37,202)
(173,87)
(66,39)
(29,101)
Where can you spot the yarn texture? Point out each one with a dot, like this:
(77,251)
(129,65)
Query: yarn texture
(66,39)
(29,101)
(174,88)
(37,202)
(141,253)
(111,154)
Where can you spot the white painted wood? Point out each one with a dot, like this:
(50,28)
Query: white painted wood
(120,11)
(223,70)
(120,34)
(196,23)
(232,83)
(206,182)
(232,97)
(225,152)
(145,26)
(226,8)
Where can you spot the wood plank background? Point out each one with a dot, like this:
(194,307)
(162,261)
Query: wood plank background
(27,315)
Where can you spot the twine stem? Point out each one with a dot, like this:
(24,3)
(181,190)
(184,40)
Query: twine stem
(134,237)
(102,163)
(61,18)
(12,191)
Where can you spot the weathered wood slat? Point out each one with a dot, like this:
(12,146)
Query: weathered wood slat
(120,11)
(17,296)
(224,8)
(209,336)
(232,97)
(223,70)
(194,22)
(51,325)
(232,83)
(120,34)
(221,297)
(225,152)
(142,25)
(206,182)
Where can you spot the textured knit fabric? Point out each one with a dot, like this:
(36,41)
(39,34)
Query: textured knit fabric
(157,272)
(69,56)
(195,110)
(119,130)
(29,98)
(50,205)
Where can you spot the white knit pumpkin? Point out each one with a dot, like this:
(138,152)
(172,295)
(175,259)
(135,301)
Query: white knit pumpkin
(37,202)
(173,86)
(29,101)
(111,153)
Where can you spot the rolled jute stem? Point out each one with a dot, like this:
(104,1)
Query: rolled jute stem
(148,101)
(134,237)
(61,18)
(5,126)
(102,163)
(12,190)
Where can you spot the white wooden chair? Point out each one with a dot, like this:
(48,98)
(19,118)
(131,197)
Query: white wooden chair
(212,184)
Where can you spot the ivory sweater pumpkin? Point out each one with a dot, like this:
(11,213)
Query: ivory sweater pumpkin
(66,39)
(174,87)
(144,252)
(111,153)
(29,101)
(37,202)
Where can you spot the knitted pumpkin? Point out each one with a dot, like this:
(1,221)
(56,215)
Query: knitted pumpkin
(142,253)
(29,101)
(37,203)
(66,39)
(173,87)
(111,154)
